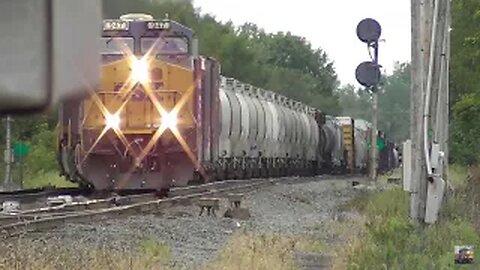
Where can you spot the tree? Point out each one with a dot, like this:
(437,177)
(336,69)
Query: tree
(394,103)
(465,48)
(355,102)
(465,81)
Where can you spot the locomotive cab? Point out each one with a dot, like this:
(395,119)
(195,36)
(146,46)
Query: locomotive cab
(140,121)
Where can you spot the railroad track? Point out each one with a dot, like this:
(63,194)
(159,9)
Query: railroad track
(41,219)
(32,195)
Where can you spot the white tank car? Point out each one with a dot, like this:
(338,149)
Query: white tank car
(262,130)
(331,145)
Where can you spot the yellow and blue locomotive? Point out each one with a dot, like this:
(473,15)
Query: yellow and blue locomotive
(138,128)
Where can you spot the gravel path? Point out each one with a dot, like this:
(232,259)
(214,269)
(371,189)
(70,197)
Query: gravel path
(284,209)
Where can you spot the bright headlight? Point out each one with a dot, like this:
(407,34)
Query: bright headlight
(139,70)
(169,120)
(112,121)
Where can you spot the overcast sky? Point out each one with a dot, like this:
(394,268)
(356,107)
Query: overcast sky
(328,24)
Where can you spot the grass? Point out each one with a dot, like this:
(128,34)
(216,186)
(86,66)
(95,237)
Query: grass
(256,252)
(389,240)
(155,250)
(43,179)
(457,175)
(38,179)
(31,254)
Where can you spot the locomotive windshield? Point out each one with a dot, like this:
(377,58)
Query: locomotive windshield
(139,34)
(116,45)
(165,45)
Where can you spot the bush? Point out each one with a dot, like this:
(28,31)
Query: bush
(392,241)
(246,251)
(465,130)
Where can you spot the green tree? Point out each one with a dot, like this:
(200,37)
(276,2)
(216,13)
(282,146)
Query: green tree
(466,143)
(465,48)
(465,81)
(356,103)
(394,103)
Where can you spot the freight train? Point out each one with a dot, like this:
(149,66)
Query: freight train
(164,116)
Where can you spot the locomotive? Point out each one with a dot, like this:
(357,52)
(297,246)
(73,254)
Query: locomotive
(164,116)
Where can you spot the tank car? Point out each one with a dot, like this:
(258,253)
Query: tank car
(163,117)
(265,134)
(331,149)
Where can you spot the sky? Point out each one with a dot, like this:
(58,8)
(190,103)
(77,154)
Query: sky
(327,24)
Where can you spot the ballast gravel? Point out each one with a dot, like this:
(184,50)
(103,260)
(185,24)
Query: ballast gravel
(287,209)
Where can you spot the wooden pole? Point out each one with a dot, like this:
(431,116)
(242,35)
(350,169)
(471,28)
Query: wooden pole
(374,152)
(441,124)
(429,87)
(8,153)
(446,111)
(420,47)
(374,149)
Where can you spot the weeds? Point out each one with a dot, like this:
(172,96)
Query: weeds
(392,241)
(253,252)
(38,254)
(43,179)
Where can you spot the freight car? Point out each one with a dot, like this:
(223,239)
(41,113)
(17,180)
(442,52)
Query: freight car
(164,116)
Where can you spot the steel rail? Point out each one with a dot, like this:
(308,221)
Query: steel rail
(51,217)
(42,222)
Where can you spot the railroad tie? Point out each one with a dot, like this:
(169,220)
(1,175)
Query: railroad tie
(211,204)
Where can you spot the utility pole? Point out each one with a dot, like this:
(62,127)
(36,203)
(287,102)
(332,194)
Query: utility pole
(368,74)
(429,107)
(8,153)
(416,108)
(373,153)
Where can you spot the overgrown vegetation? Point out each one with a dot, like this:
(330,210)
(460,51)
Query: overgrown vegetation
(392,241)
(465,81)
(246,251)
(30,254)
(264,252)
